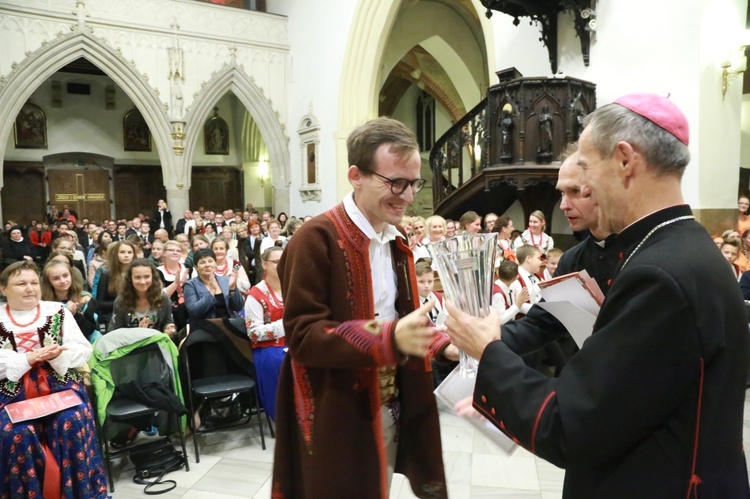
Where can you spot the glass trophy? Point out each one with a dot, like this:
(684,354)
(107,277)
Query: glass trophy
(465,265)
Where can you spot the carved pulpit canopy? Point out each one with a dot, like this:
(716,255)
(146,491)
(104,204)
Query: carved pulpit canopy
(545,12)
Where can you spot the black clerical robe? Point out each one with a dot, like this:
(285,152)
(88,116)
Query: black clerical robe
(652,405)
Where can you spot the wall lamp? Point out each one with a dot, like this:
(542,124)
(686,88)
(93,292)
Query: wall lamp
(732,67)
(263,172)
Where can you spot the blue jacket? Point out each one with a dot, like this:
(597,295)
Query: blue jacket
(200,302)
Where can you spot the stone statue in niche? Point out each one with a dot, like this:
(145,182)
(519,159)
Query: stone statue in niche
(506,129)
(177,99)
(544,148)
(580,115)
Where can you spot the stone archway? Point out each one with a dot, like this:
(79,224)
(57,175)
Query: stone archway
(49,58)
(260,108)
(358,94)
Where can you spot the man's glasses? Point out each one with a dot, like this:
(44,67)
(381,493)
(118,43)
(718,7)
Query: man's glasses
(399,185)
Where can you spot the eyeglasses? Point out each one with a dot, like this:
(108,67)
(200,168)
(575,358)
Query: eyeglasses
(275,262)
(399,185)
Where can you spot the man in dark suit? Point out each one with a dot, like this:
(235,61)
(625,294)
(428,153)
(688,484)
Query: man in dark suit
(162,217)
(251,246)
(598,254)
(180,227)
(652,405)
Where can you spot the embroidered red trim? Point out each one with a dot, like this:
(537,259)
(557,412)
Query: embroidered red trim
(695,479)
(538,418)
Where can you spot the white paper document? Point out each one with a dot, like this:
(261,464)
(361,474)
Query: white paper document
(570,298)
(578,322)
(455,388)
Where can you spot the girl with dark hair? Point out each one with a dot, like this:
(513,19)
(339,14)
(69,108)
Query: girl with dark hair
(282,218)
(58,284)
(142,302)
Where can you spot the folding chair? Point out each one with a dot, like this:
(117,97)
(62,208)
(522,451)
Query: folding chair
(215,369)
(138,355)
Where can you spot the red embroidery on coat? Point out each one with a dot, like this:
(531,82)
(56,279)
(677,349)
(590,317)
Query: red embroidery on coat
(695,479)
(304,403)
(536,422)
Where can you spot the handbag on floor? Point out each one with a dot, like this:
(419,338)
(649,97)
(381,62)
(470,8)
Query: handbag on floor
(154,460)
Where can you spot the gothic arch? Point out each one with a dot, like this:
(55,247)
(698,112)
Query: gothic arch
(26,77)
(358,92)
(260,108)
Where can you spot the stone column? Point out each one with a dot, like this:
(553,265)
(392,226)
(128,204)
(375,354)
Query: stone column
(178,201)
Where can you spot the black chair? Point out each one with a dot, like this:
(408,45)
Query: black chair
(214,371)
(143,365)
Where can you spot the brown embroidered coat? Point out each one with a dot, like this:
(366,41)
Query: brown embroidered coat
(329,442)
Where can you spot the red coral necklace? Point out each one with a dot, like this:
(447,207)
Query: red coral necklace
(36,317)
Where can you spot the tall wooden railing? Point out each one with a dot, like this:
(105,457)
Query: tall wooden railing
(461,153)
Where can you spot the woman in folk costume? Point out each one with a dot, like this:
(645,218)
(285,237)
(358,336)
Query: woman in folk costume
(264,312)
(505,247)
(40,346)
(535,235)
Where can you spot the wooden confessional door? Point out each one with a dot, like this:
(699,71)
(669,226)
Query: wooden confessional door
(84,190)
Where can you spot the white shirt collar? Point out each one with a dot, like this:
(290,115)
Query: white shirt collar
(390,233)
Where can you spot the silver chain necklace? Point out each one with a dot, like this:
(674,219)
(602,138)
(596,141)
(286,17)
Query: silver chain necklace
(663,224)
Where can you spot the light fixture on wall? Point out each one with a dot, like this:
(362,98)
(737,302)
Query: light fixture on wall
(263,172)
(735,64)
(731,67)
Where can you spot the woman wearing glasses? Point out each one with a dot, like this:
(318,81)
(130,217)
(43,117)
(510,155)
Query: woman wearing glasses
(264,310)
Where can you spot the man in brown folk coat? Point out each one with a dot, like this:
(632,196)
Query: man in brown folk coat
(355,398)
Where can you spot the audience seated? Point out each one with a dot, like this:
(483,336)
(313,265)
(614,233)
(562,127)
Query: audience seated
(209,296)
(57,455)
(731,250)
(503,300)
(110,277)
(225,266)
(534,235)
(470,222)
(58,284)
(274,236)
(17,247)
(529,264)
(174,274)
(435,228)
(142,302)
(550,265)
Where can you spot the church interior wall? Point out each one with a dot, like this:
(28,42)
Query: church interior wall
(666,47)
(83,124)
(460,50)
(318,35)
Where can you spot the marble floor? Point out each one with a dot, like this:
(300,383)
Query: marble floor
(233,465)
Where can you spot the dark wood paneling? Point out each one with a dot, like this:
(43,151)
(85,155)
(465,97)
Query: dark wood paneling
(86,191)
(137,190)
(23,193)
(216,188)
